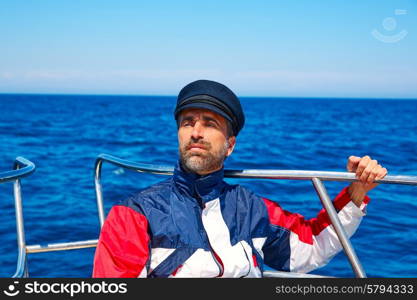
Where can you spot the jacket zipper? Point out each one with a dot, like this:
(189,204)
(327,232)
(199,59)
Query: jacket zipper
(203,233)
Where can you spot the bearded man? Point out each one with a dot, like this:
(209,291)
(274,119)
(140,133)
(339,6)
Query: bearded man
(194,224)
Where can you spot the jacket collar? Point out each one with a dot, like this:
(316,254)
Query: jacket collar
(205,188)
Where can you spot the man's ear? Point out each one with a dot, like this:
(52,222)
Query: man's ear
(232,143)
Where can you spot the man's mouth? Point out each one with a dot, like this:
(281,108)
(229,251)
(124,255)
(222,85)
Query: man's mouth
(196,147)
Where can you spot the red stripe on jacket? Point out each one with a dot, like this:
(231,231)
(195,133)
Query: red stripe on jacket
(122,249)
(306,229)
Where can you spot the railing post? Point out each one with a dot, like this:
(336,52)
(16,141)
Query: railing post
(338,227)
(99,191)
(21,240)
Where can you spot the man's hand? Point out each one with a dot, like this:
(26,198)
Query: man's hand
(367,171)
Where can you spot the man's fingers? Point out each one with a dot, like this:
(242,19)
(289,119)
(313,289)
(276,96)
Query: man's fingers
(382,173)
(370,165)
(373,174)
(363,163)
(352,163)
(367,170)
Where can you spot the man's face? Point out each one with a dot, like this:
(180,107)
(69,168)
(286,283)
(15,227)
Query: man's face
(203,140)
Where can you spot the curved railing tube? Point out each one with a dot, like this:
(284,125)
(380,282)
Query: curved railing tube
(29,167)
(21,168)
(126,164)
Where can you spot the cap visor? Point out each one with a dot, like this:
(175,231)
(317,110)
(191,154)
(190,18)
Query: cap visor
(203,106)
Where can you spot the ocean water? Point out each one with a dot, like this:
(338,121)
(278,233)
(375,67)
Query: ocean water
(63,135)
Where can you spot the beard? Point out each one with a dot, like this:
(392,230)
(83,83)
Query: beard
(198,162)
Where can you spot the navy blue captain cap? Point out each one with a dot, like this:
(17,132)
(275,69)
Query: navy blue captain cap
(214,96)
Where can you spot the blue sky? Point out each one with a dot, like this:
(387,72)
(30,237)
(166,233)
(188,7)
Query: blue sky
(258,48)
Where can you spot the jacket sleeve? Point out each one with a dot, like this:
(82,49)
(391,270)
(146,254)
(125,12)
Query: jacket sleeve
(300,245)
(123,246)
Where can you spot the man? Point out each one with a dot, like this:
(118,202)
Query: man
(196,225)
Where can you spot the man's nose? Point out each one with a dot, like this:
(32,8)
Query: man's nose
(197,132)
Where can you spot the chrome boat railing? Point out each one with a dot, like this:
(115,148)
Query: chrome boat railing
(21,168)
(317,178)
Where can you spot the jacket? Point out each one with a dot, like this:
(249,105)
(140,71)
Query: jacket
(201,226)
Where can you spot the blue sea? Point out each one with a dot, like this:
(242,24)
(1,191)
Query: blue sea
(63,135)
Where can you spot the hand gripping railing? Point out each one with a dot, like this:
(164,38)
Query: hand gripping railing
(315,176)
(21,168)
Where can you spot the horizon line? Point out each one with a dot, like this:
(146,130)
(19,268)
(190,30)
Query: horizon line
(173,95)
